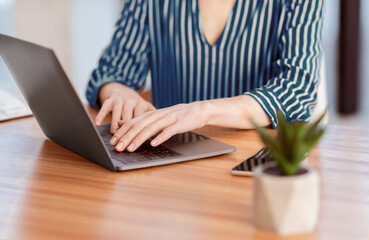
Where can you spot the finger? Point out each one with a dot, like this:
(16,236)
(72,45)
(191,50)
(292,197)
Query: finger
(115,140)
(124,136)
(166,134)
(104,111)
(127,112)
(149,131)
(120,123)
(127,136)
(116,116)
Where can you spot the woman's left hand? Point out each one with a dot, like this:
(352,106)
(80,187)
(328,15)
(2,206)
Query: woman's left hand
(167,122)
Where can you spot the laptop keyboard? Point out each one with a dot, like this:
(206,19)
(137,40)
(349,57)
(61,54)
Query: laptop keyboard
(144,153)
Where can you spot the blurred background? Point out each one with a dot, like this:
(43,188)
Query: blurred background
(78,30)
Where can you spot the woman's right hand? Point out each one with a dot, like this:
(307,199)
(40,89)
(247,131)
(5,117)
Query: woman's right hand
(123,102)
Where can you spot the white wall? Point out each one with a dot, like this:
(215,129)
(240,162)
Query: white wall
(6,27)
(46,22)
(78,31)
(364,68)
(330,41)
(92,28)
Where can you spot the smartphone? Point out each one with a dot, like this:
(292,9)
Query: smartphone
(247,167)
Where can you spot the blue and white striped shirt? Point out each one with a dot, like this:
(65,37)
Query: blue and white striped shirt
(269,49)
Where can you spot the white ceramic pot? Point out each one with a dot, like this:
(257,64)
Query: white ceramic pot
(286,204)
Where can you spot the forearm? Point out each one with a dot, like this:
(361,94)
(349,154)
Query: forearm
(236,112)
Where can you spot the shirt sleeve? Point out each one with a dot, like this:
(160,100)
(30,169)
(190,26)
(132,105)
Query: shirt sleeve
(125,60)
(292,88)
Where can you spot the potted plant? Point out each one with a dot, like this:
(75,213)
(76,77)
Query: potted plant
(286,193)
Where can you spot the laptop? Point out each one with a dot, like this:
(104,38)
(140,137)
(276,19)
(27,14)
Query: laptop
(64,120)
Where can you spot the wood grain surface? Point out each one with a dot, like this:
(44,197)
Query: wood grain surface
(49,192)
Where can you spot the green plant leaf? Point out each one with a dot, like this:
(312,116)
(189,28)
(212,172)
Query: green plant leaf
(308,145)
(299,135)
(293,141)
(286,166)
(284,132)
(312,129)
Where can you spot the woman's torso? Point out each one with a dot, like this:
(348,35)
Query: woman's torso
(185,67)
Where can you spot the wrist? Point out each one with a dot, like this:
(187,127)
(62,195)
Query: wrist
(234,112)
(211,111)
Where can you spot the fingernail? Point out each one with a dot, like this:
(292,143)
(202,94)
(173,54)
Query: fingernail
(154,142)
(97,122)
(114,129)
(120,146)
(131,146)
(113,141)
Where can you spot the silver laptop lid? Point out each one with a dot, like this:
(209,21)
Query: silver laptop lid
(52,99)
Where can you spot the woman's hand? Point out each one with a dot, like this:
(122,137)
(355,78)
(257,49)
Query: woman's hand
(123,102)
(168,122)
(235,112)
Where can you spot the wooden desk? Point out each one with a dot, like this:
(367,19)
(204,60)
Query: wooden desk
(48,192)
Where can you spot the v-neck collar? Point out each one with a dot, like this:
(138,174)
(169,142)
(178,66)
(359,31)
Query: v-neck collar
(200,25)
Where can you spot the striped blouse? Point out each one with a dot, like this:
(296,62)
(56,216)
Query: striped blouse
(269,49)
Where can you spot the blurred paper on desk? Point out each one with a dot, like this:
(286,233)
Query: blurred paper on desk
(11,107)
